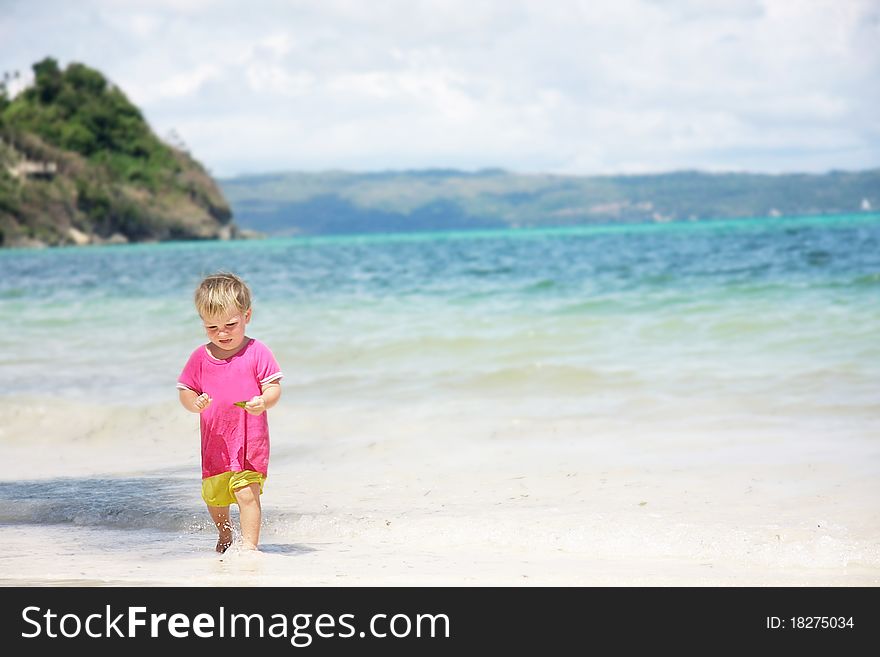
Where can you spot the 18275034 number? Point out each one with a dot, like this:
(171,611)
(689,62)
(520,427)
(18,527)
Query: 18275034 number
(810,623)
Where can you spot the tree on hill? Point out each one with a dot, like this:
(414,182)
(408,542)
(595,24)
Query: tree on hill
(108,173)
(78,110)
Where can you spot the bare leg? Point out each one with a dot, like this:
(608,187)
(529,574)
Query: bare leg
(250,514)
(220,516)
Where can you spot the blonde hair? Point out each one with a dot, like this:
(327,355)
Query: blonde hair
(220,293)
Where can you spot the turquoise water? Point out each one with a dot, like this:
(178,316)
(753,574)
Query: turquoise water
(687,393)
(783,309)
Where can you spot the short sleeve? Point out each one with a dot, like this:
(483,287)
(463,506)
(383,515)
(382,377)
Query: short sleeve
(190,377)
(267,368)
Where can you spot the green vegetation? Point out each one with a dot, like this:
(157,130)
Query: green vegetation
(340,202)
(79,164)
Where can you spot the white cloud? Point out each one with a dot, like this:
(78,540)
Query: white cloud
(571,86)
(185,83)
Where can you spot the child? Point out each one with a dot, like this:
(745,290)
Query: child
(231,368)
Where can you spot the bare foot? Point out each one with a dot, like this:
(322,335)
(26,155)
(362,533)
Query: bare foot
(223,544)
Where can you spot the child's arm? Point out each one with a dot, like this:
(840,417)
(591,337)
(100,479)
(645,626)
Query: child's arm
(193,401)
(263,402)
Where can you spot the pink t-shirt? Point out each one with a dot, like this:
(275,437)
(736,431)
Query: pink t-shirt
(232,439)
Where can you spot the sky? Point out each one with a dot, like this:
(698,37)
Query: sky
(573,87)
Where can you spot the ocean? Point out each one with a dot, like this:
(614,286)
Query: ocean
(680,403)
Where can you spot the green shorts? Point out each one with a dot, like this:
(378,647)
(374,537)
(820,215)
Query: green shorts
(218,490)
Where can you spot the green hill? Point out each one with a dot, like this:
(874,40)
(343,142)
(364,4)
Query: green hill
(79,164)
(343,202)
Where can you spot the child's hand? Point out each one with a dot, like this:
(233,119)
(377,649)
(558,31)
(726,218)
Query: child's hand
(202,402)
(256,405)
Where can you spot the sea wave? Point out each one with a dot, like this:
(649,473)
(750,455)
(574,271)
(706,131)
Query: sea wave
(123,503)
(547,378)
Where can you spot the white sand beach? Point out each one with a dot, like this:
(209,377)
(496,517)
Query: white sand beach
(420,497)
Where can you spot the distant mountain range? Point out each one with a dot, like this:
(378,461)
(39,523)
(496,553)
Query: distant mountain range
(444,199)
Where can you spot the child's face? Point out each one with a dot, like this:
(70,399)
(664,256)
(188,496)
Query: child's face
(226,331)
